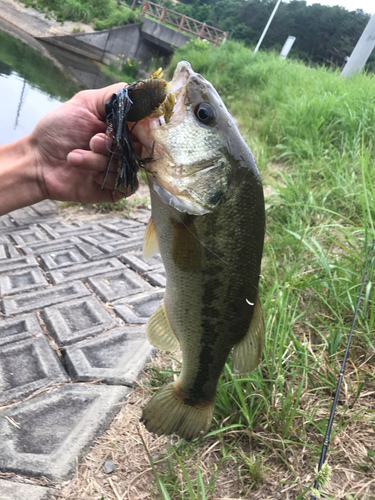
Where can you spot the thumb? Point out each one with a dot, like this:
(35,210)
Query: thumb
(95,100)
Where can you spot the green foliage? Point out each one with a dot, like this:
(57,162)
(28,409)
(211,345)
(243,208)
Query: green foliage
(120,16)
(104,14)
(73,10)
(324,35)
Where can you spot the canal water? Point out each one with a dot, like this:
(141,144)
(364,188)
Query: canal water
(31,84)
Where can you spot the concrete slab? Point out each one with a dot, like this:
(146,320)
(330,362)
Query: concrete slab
(27,236)
(50,246)
(118,225)
(7,251)
(17,263)
(27,366)
(61,258)
(117,285)
(77,319)
(77,231)
(19,328)
(122,246)
(116,357)
(156,278)
(6,221)
(136,261)
(84,270)
(21,491)
(100,237)
(47,434)
(42,298)
(137,309)
(21,281)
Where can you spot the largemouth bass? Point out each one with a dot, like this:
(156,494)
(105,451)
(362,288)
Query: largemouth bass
(208,222)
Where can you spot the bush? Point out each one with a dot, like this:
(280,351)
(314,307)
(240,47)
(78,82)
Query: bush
(118,17)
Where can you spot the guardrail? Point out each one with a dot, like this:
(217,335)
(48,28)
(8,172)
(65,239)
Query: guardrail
(184,23)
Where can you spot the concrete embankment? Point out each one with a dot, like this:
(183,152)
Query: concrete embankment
(140,42)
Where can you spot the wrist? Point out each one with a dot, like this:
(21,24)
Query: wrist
(19,180)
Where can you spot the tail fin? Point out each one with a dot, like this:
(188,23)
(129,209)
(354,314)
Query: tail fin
(167,413)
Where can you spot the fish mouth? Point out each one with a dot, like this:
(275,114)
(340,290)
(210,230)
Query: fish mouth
(178,86)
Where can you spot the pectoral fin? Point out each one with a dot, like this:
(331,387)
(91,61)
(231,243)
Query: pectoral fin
(247,354)
(150,241)
(186,248)
(159,331)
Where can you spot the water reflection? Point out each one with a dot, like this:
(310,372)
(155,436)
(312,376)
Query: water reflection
(22,106)
(31,85)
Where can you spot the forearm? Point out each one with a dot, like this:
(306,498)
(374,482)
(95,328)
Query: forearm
(19,185)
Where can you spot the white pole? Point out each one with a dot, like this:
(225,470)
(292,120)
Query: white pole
(267,26)
(362,50)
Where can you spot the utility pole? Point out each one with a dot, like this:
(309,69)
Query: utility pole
(362,50)
(267,26)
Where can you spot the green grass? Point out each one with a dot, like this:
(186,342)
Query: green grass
(119,16)
(103,13)
(312,134)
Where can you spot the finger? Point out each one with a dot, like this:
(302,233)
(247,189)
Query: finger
(95,99)
(100,143)
(88,160)
(111,181)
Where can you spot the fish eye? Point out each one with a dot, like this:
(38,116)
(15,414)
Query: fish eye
(205,113)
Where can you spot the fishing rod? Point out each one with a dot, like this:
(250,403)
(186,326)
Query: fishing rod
(337,393)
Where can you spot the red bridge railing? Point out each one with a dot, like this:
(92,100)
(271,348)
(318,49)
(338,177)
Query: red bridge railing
(184,23)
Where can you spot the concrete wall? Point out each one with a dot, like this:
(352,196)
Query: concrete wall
(165,38)
(140,43)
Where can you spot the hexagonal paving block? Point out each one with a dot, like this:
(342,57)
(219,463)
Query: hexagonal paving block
(137,309)
(27,366)
(116,357)
(77,319)
(46,435)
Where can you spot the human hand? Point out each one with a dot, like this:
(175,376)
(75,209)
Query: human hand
(71,151)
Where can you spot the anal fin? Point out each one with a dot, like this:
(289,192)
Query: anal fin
(159,331)
(247,354)
(150,241)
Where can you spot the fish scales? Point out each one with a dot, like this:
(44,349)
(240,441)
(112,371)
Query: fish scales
(208,219)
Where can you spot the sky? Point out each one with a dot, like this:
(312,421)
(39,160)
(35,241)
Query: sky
(366,5)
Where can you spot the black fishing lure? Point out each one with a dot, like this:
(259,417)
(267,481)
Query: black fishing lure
(131,104)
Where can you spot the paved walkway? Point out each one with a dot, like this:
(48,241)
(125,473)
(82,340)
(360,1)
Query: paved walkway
(74,299)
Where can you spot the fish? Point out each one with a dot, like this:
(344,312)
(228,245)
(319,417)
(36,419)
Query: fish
(208,223)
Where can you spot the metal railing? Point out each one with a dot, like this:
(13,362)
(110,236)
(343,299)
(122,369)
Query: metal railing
(184,23)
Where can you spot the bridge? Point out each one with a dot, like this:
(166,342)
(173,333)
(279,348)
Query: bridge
(184,23)
(151,39)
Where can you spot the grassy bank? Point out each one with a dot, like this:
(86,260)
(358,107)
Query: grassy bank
(103,14)
(312,133)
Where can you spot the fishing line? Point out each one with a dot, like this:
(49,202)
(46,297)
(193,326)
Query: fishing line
(337,393)
(203,245)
